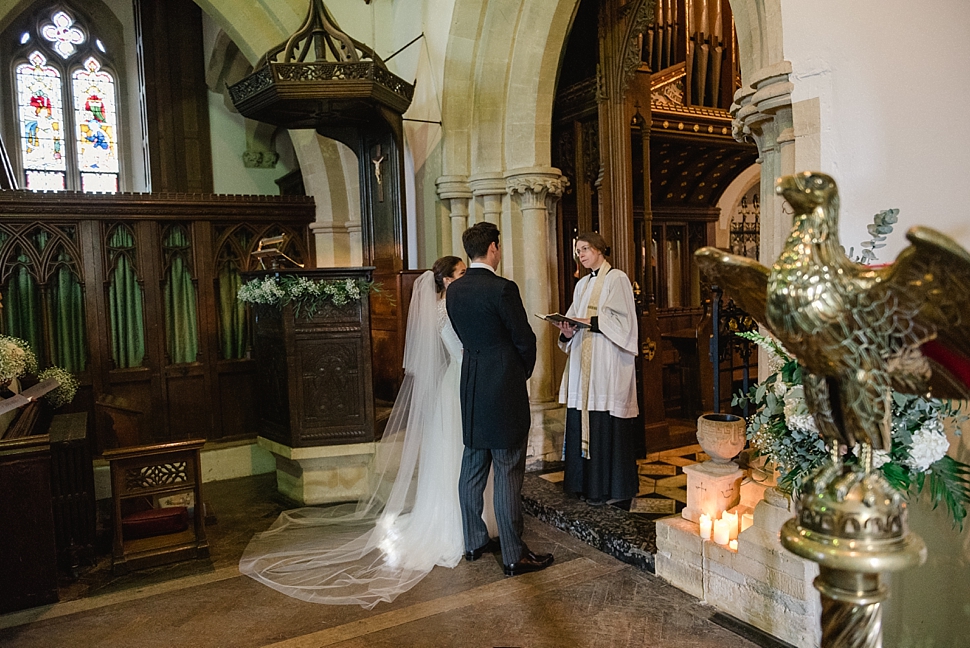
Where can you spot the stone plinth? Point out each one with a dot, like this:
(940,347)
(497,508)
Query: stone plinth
(711,488)
(761,583)
(322,474)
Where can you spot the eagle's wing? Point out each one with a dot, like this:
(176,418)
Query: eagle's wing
(744,280)
(933,275)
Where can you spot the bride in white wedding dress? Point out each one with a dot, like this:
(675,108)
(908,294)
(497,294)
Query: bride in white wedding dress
(382,546)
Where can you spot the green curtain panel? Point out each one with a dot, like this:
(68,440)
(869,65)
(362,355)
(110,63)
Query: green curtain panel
(125,304)
(65,304)
(181,322)
(233,322)
(22,313)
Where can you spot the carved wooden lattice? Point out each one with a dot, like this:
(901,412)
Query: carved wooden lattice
(164,474)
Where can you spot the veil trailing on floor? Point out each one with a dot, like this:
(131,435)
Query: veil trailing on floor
(390,539)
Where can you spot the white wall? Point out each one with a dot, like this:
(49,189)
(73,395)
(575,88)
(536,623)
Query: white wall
(229,140)
(881,89)
(228,134)
(892,81)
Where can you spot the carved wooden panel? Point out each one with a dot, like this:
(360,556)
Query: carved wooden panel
(44,236)
(315,373)
(331,383)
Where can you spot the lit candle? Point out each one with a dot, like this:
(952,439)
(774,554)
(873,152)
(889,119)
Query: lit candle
(721,532)
(731,519)
(733,545)
(706,525)
(747,519)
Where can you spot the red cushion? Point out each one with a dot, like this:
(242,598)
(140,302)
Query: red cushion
(153,522)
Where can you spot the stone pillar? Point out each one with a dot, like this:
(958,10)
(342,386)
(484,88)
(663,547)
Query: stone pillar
(536,191)
(337,244)
(530,189)
(455,192)
(490,189)
(763,113)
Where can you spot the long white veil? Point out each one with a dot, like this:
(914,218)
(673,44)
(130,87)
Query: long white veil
(366,552)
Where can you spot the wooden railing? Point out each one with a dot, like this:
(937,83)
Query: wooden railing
(135,294)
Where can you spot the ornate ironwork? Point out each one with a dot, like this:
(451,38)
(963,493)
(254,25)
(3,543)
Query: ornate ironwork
(746,227)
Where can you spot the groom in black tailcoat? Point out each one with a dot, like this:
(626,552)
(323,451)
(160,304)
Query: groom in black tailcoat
(499,355)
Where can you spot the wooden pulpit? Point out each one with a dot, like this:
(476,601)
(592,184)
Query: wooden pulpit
(314,374)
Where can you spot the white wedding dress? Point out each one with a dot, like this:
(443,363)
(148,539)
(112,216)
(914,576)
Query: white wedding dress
(411,521)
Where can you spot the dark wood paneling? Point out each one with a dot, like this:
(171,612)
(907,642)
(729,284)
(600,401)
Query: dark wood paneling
(389,319)
(28,560)
(237,398)
(315,378)
(176,97)
(213,397)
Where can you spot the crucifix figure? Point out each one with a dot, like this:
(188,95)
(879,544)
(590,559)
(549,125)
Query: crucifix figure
(378,163)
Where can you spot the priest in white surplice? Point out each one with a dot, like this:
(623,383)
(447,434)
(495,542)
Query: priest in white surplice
(603,439)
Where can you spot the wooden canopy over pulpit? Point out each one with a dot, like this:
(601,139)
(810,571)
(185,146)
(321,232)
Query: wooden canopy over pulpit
(322,78)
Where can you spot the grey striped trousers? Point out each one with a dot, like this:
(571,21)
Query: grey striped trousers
(509,472)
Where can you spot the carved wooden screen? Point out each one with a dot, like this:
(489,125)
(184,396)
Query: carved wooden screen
(136,294)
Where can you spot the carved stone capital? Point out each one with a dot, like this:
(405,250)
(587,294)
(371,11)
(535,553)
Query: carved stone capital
(331,227)
(531,187)
(454,186)
(485,184)
(760,103)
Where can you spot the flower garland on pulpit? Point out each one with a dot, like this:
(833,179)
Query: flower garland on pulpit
(306,295)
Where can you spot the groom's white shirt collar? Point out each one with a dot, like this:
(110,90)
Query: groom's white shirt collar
(482,265)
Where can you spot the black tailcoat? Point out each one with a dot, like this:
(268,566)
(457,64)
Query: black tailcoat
(499,355)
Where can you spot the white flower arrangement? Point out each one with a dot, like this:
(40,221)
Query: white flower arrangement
(17,360)
(782,430)
(65,391)
(306,295)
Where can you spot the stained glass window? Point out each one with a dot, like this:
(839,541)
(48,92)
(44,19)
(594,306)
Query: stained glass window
(95,115)
(62,33)
(67,102)
(40,107)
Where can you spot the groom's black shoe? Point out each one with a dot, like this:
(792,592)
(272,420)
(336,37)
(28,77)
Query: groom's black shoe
(489,547)
(529,562)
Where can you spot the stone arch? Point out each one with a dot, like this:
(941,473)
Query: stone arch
(543,29)
(505,54)
(257,26)
(731,199)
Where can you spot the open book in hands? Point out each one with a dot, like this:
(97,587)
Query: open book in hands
(557,318)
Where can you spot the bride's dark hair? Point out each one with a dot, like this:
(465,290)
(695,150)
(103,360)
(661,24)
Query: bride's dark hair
(443,267)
